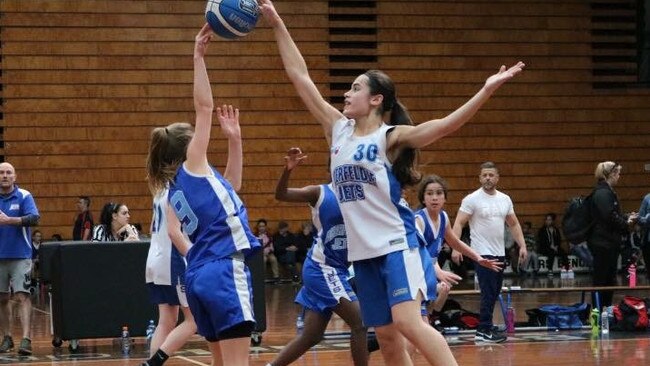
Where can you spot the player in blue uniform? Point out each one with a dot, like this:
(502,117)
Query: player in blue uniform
(432,222)
(372,161)
(215,236)
(325,272)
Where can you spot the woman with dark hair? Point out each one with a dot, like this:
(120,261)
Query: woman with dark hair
(373,146)
(605,238)
(114,224)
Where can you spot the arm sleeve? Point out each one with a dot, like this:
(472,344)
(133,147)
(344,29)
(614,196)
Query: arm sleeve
(29,220)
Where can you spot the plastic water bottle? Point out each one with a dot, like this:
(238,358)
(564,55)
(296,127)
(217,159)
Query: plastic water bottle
(300,322)
(563,274)
(631,270)
(125,341)
(570,274)
(510,316)
(604,322)
(151,328)
(476,286)
(594,318)
(510,320)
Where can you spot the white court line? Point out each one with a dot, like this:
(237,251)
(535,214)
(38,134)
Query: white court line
(192,361)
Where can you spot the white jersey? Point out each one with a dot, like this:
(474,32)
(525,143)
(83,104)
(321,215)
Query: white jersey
(165,265)
(369,194)
(488,214)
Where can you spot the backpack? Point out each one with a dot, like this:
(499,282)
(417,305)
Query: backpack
(453,315)
(631,314)
(577,221)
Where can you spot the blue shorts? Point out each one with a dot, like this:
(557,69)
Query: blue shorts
(220,296)
(391,279)
(323,287)
(167,294)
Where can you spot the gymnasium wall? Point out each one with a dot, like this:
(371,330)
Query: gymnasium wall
(84,82)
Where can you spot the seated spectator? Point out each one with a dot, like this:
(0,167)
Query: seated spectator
(531,248)
(37,239)
(284,246)
(548,243)
(304,240)
(56,237)
(114,224)
(581,250)
(267,244)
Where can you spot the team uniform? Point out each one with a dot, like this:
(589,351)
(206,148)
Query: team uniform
(388,255)
(433,237)
(217,280)
(325,272)
(165,269)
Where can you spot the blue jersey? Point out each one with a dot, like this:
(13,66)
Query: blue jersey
(16,241)
(165,265)
(433,237)
(330,243)
(212,216)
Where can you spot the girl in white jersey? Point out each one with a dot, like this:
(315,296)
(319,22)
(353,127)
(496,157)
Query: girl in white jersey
(371,161)
(178,161)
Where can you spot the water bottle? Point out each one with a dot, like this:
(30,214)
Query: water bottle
(300,322)
(570,274)
(594,318)
(631,270)
(125,341)
(476,286)
(604,321)
(510,320)
(563,274)
(151,328)
(510,316)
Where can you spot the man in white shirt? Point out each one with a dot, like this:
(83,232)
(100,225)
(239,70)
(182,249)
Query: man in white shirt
(486,210)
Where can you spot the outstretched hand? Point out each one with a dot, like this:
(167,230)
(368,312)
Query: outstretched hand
(202,40)
(294,158)
(492,264)
(229,120)
(270,14)
(496,80)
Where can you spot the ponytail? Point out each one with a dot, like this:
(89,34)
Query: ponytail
(404,164)
(167,151)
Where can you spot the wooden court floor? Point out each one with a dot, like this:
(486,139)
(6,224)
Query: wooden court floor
(523,348)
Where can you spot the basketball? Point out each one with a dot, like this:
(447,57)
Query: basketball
(231,18)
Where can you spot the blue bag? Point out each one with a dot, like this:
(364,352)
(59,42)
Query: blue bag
(565,317)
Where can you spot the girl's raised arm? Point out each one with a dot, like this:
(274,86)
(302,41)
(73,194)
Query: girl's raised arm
(296,68)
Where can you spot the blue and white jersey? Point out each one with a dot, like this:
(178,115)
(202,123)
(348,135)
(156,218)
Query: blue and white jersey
(165,265)
(212,215)
(330,243)
(369,194)
(16,241)
(433,236)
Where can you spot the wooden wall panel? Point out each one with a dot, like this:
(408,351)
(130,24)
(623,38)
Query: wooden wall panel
(81,98)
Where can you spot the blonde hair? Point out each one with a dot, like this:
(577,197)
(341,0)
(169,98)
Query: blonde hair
(167,151)
(605,169)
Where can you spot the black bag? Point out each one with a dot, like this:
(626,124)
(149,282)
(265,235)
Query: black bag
(577,221)
(453,315)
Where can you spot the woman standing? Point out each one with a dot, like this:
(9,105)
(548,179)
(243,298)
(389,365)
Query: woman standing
(609,224)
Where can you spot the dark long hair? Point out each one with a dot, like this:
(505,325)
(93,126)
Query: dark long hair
(106,216)
(404,164)
(167,150)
